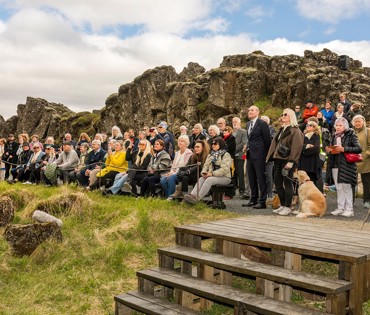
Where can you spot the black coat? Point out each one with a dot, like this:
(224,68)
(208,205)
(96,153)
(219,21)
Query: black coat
(259,140)
(347,172)
(309,161)
(231,145)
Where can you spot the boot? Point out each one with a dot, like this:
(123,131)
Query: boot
(178,193)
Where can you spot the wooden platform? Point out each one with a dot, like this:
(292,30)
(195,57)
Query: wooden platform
(200,269)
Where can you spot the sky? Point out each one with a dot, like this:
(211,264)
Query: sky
(78,52)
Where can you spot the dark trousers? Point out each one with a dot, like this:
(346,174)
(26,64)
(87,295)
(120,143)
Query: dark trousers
(239,175)
(365,177)
(283,184)
(257,180)
(186,180)
(7,169)
(149,183)
(134,178)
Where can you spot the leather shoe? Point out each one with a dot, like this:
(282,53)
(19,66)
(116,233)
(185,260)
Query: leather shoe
(250,204)
(260,206)
(245,197)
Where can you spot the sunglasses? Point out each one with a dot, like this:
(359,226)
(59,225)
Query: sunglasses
(36,148)
(309,125)
(215,143)
(284,114)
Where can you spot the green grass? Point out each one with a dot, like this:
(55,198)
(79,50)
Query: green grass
(105,241)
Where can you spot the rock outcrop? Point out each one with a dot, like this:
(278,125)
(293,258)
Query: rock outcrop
(198,95)
(24,239)
(6,211)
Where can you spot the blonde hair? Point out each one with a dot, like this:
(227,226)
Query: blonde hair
(148,149)
(316,128)
(292,116)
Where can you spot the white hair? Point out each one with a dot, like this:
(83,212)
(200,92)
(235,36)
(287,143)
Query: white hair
(215,129)
(266,119)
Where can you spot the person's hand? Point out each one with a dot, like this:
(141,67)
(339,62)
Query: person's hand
(328,150)
(339,148)
(206,175)
(288,166)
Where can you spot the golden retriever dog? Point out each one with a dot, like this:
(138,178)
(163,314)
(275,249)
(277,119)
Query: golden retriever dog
(311,201)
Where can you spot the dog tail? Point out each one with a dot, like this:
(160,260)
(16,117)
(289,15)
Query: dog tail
(305,215)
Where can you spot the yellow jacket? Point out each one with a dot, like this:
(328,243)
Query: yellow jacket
(114,162)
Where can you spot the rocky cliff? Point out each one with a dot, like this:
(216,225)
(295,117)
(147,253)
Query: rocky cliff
(198,95)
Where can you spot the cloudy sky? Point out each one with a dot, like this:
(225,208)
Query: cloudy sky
(78,52)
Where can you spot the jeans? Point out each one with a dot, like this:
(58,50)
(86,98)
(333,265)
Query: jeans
(119,180)
(168,184)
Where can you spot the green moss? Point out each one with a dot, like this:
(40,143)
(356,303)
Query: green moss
(273,113)
(262,103)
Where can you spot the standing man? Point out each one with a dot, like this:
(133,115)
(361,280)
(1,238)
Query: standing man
(221,124)
(345,102)
(258,135)
(240,141)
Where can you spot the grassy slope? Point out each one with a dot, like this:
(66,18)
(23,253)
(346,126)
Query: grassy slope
(105,242)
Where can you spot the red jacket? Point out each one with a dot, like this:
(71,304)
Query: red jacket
(310,112)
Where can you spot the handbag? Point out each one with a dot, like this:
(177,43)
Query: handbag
(353,157)
(283,150)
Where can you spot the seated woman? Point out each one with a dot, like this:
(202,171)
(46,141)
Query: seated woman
(188,175)
(169,180)
(216,170)
(84,138)
(34,164)
(84,151)
(115,163)
(137,170)
(48,158)
(159,164)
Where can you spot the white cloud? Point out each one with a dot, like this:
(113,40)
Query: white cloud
(44,55)
(332,11)
(160,15)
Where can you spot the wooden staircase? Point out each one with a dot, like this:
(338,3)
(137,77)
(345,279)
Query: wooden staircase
(189,280)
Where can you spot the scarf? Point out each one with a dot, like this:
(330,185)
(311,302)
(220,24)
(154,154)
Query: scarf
(215,154)
(338,138)
(308,135)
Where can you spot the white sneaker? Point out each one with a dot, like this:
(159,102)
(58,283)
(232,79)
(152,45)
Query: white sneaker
(296,212)
(169,198)
(367,204)
(285,211)
(27,183)
(337,212)
(347,213)
(281,208)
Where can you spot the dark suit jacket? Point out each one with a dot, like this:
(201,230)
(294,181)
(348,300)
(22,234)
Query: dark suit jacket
(259,140)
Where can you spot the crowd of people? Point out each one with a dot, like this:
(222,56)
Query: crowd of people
(259,160)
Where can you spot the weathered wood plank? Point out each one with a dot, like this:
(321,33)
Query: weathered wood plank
(223,294)
(357,278)
(270,272)
(336,304)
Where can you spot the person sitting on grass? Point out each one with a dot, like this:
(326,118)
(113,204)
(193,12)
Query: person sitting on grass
(216,171)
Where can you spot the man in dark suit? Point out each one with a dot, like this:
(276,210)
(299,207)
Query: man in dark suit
(259,141)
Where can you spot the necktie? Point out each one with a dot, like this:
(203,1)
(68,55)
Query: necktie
(251,127)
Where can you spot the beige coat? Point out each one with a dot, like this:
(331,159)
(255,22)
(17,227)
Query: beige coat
(364,166)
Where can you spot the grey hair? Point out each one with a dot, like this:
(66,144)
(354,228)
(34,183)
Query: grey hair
(344,121)
(184,137)
(85,144)
(96,141)
(265,118)
(215,129)
(357,117)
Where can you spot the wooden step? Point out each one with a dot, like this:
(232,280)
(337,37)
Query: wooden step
(242,301)
(148,304)
(280,275)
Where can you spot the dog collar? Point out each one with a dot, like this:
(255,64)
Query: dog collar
(305,181)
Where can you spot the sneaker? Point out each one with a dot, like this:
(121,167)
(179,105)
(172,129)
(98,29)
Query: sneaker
(347,213)
(190,198)
(285,211)
(27,183)
(226,197)
(337,212)
(126,186)
(367,204)
(281,208)
(295,212)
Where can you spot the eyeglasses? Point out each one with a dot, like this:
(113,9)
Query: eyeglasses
(141,143)
(214,143)
(48,149)
(284,114)
(310,125)
(36,148)
(297,108)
